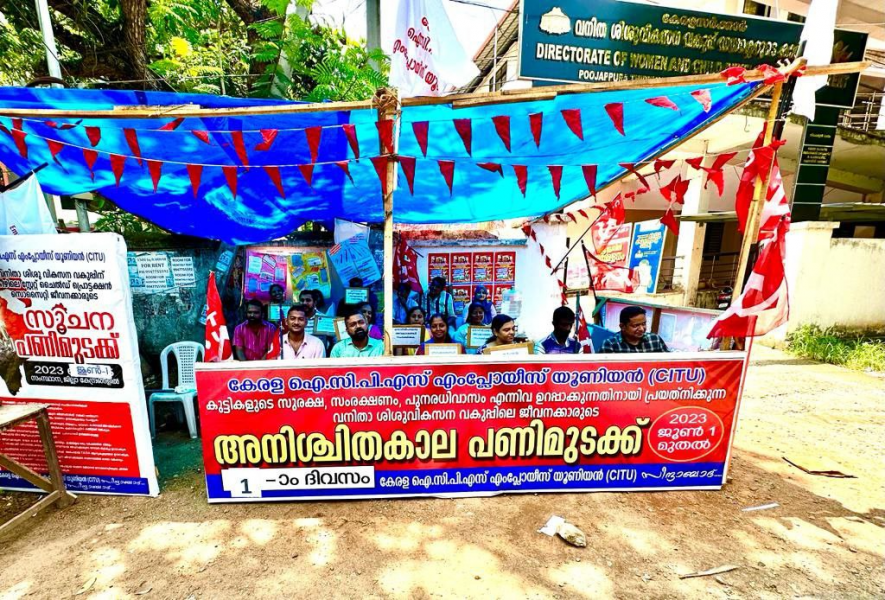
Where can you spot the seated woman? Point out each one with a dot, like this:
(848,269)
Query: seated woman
(369,315)
(415,316)
(475,317)
(482,297)
(503,333)
(439,334)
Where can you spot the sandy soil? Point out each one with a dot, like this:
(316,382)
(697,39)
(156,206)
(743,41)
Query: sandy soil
(826,539)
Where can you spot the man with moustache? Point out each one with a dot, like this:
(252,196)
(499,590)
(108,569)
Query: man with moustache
(359,344)
(297,344)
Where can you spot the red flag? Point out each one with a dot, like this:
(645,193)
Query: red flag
(572,118)
(584,333)
(590,178)
(555,177)
(447,168)
(307,173)
(758,163)
(607,224)
(615,112)
(663,164)
(776,207)
(407,164)
(703,96)
(493,167)
(350,133)
(218,347)
(51,124)
(313,135)
(66,126)
(522,177)
(770,74)
(385,133)
(94,135)
(464,127)
(18,136)
(268,136)
(669,220)
(615,207)
(345,166)
(90,156)
(695,162)
(405,267)
(718,179)
(201,135)
(155,168)
(273,353)
(195,172)
(240,147)
(722,160)
(420,129)
(132,140)
(676,189)
(380,164)
(54,148)
(502,127)
(274,174)
(631,168)
(733,75)
(663,102)
(536,122)
(172,125)
(610,277)
(117,163)
(230,174)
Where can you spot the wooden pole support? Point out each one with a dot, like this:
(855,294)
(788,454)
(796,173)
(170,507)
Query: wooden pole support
(388,103)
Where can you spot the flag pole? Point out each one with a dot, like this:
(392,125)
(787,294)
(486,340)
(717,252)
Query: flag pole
(388,103)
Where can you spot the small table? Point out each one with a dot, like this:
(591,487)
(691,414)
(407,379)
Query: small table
(16,414)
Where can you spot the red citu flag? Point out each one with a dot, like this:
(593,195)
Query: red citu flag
(218,346)
(405,267)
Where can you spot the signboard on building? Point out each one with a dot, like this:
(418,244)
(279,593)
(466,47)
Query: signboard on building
(646,252)
(336,429)
(70,343)
(610,40)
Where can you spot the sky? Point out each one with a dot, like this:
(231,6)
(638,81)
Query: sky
(472,24)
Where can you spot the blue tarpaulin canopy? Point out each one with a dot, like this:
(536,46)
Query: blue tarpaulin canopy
(208,148)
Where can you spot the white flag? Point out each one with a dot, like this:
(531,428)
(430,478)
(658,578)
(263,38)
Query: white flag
(23,210)
(426,58)
(818,37)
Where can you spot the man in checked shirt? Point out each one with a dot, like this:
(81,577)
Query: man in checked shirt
(633,336)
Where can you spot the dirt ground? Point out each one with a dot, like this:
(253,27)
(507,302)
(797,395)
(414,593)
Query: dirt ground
(826,539)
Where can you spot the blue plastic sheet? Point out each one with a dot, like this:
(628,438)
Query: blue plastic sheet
(258,213)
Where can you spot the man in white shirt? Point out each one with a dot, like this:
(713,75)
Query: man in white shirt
(297,344)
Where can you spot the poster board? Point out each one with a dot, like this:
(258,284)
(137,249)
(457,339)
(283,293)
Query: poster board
(308,270)
(159,272)
(356,295)
(352,258)
(437,266)
(539,424)
(646,252)
(410,336)
(477,336)
(467,270)
(519,349)
(262,271)
(67,309)
(442,349)
(324,325)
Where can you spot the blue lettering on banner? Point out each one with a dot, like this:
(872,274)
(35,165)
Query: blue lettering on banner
(82,483)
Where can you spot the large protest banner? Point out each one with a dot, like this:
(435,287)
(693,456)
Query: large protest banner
(70,343)
(336,430)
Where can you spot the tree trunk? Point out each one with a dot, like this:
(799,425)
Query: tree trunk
(133,24)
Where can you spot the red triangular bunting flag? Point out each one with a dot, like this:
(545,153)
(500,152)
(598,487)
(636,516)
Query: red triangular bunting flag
(663,102)
(51,124)
(572,118)
(447,168)
(66,126)
(195,172)
(172,125)
(722,160)
(522,177)
(615,208)
(54,148)
(502,127)
(615,112)
(536,122)
(771,74)
(695,162)
(733,75)
(18,136)
(631,168)
(230,174)
(350,133)
(274,174)
(590,177)
(94,135)
(662,164)
(493,167)
(240,146)
(718,179)
(267,139)
(464,127)
(380,164)
(555,177)
(117,162)
(385,134)
(132,140)
(345,166)
(313,135)
(420,129)
(703,96)
(307,173)
(155,168)
(670,221)
(201,135)
(90,156)
(407,164)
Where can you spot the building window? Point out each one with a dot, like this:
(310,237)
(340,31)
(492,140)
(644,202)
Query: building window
(794,18)
(756,9)
(501,76)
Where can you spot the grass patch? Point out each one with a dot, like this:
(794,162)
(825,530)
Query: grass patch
(827,345)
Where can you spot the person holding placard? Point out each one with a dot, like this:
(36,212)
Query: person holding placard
(415,316)
(475,318)
(358,343)
(439,334)
(297,344)
(503,333)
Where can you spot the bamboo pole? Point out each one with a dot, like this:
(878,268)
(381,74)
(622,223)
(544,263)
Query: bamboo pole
(456,100)
(387,101)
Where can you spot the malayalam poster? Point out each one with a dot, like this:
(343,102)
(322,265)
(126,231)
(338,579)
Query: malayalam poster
(337,429)
(505,266)
(646,253)
(483,267)
(309,271)
(460,298)
(461,267)
(262,271)
(352,258)
(437,266)
(617,252)
(69,341)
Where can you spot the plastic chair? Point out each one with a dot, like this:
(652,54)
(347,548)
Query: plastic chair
(186,354)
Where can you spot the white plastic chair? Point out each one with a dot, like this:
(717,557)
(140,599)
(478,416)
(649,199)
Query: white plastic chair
(186,354)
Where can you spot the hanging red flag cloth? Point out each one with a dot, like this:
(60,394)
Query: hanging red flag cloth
(230,174)
(615,111)
(132,140)
(522,177)
(555,177)
(464,127)
(274,174)
(493,167)
(611,278)
(54,149)
(18,136)
(420,129)
(669,220)
(172,125)
(155,168)
(350,134)
(662,164)
(345,166)
(536,123)
(94,135)
(447,168)
(201,135)
(385,133)
(502,127)
(407,164)
(733,75)
(195,173)
(307,173)
(240,147)
(268,136)
(380,164)
(703,96)
(662,102)
(589,172)
(631,168)
(572,118)
(405,267)
(218,347)
(90,156)
(117,162)
(313,135)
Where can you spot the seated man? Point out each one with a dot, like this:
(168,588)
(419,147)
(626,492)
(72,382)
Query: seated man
(255,338)
(559,341)
(298,344)
(359,344)
(633,336)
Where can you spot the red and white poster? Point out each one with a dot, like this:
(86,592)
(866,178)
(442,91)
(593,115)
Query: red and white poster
(437,265)
(505,267)
(617,251)
(483,267)
(70,343)
(461,297)
(396,427)
(462,263)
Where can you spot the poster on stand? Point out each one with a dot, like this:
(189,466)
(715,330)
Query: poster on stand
(382,428)
(309,271)
(646,253)
(262,271)
(70,343)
